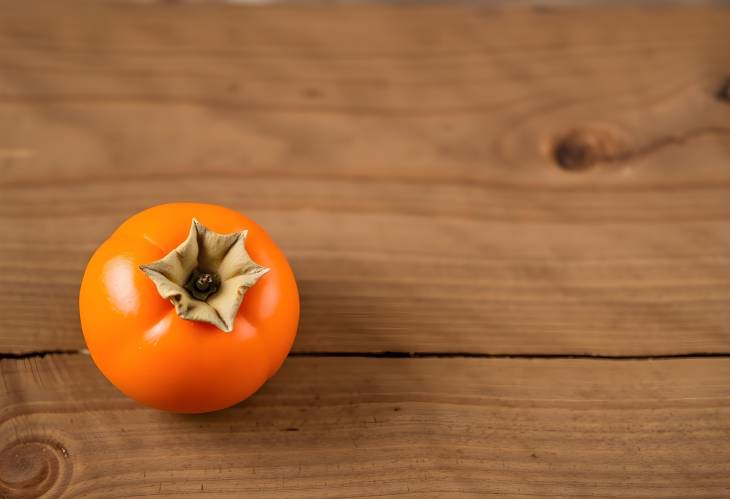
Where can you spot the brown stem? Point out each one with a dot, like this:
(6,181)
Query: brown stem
(202,284)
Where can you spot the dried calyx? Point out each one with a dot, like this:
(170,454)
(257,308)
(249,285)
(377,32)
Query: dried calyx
(206,276)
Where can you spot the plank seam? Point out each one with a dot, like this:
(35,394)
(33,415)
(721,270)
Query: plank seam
(39,354)
(425,355)
(472,355)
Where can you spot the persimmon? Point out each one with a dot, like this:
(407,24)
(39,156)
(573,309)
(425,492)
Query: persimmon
(189,307)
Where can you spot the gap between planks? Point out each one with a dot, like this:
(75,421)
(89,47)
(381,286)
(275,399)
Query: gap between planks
(427,355)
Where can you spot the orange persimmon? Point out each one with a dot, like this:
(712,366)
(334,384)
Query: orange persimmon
(162,346)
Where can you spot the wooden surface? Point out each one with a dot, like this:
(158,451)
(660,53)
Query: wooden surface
(482,205)
(362,427)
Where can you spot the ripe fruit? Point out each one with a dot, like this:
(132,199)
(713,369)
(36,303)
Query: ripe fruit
(183,310)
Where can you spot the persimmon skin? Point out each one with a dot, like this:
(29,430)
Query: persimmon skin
(155,357)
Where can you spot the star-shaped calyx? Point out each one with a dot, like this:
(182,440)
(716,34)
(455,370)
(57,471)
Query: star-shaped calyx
(206,276)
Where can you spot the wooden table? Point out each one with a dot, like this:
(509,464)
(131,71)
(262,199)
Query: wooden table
(510,227)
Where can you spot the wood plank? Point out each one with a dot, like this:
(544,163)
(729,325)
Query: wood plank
(329,427)
(403,156)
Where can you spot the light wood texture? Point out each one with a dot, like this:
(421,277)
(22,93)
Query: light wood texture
(380,427)
(401,155)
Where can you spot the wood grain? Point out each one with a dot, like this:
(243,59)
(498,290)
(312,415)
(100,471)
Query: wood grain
(467,179)
(380,427)
(403,156)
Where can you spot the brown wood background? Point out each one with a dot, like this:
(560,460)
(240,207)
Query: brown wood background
(510,227)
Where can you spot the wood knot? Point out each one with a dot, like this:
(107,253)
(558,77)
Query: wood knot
(583,148)
(34,467)
(724,91)
(312,93)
